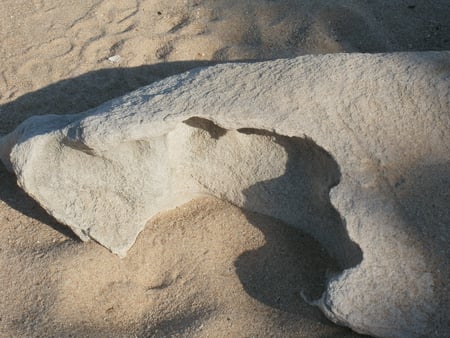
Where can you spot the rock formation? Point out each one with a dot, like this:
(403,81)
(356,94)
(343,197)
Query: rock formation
(353,149)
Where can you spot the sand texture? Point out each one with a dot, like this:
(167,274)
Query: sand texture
(205,269)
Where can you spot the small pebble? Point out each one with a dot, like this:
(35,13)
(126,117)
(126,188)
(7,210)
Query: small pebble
(114,59)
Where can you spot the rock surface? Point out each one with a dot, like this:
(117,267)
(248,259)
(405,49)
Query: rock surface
(274,137)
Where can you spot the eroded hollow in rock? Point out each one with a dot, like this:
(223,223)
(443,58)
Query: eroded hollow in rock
(288,178)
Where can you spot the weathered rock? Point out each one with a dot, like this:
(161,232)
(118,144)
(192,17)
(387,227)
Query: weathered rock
(274,137)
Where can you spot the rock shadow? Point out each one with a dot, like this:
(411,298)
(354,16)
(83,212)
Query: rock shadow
(306,239)
(296,260)
(290,265)
(300,197)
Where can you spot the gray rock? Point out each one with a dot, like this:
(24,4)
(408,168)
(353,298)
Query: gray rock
(274,137)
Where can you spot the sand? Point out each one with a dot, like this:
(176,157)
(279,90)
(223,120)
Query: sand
(207,268)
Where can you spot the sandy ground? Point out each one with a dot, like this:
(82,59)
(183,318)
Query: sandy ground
(207,268)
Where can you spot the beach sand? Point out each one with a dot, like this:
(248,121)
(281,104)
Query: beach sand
(206,269)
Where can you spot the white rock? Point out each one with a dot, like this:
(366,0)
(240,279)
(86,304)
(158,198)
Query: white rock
(114,59)
(376,125)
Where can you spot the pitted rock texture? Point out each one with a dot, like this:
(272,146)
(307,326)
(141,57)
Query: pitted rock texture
(273,137)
